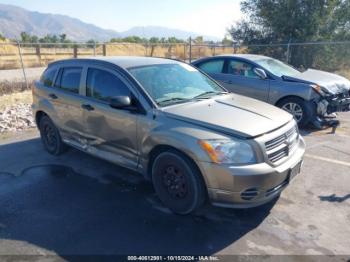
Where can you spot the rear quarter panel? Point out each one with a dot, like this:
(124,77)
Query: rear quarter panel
(41,103)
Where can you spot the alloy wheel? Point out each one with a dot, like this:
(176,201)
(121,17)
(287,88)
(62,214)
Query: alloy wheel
(294,109)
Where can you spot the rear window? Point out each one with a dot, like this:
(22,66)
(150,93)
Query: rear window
(70,79)
(213,67)
(47,76)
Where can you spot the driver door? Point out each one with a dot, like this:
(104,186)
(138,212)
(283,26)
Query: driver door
(112,132)
(239,77)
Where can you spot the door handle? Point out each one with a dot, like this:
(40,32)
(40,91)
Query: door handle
(53,96)
(87,107)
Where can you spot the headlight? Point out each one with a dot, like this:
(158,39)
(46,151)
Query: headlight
(318,89)
(228,151)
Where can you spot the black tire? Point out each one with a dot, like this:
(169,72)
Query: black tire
(50,137)
(304,106)
(178,182)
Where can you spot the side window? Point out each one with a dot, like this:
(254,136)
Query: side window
(69,79)
(47,77)
(103,85)
(240,68)
(214,66)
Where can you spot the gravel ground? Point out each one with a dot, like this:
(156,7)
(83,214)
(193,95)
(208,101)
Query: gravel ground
(17,74)
(16,118)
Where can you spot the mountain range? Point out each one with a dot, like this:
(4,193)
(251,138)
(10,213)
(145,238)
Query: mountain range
(14,20)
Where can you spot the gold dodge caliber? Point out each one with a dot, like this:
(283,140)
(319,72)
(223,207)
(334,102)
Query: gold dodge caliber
(174,125)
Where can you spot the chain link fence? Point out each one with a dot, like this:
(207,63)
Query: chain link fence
(12,55)
(328,56)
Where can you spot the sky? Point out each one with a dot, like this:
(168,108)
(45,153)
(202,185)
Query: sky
(207,17)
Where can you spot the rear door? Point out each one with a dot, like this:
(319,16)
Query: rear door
(239,77)
(111,132)
(65,96)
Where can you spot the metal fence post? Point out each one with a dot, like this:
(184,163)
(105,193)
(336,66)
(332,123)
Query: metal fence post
(75,51)
(287,54)
(190,49)
(94,48)
(184,52)
(37,51)
(22,64)
(234,47)
(104,50)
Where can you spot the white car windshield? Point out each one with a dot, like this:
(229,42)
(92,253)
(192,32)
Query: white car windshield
(175,83)
(277,67)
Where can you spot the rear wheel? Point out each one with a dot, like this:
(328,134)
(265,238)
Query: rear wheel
(178,182)
(50,136)
(299,108)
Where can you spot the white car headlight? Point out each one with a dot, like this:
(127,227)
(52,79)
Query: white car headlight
(229,151)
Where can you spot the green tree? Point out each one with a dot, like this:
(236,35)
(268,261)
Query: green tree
(91,43)
(25,38)
(63,38)
(199,39)
(226,41)
(290,21)
(154,40)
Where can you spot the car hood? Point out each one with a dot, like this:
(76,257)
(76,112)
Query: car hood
(232,114)
(333,83)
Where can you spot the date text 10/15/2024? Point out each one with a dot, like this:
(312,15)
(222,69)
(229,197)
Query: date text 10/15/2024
(173,258)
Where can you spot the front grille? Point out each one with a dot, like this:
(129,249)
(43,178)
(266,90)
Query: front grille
(280,147)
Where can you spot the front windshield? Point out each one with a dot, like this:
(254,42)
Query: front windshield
(174,83)
(277,67)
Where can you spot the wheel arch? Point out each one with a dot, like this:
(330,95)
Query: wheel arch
(309,107)
(38,116)
(158,149)
(287,97)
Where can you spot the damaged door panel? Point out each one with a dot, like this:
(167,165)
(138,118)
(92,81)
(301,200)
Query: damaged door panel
(111,132)
(65,96)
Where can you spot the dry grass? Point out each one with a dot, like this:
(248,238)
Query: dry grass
(127,49)
(10,59)
(15,98)
(9,87)
(344,72)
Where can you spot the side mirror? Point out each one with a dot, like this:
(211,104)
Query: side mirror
(260,73)
(120,102)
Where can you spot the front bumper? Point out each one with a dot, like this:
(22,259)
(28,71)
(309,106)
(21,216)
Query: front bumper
(338,105)
(333,103)
(250,185)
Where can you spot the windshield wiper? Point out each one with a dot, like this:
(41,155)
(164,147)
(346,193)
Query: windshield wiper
(203,95)
(173,99)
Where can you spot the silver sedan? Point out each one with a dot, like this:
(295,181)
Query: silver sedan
(309,96)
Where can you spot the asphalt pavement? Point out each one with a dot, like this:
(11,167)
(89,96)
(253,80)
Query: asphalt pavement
(78,204)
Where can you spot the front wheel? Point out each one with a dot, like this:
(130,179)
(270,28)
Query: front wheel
(299,108)
(177,182)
